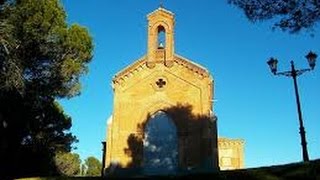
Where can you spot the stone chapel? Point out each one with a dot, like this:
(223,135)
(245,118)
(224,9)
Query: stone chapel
(163,120)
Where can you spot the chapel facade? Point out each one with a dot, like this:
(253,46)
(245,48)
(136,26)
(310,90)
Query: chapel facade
(164,87)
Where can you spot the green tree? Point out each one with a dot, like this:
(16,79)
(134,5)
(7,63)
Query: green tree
(292,15)
(93,166)
(41,60)
(68,164)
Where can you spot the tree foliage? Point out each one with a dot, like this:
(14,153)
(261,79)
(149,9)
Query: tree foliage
(44,52)
(68,164)
(291,15)
(93,166)
(41,60)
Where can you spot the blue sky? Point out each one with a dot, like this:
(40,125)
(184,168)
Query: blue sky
(251,103)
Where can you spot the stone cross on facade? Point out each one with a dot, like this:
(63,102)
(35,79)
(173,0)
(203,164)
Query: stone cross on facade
(161,83)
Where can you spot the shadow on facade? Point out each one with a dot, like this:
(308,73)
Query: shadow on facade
(196,138)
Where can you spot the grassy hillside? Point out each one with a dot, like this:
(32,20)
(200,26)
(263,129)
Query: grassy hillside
(310,170)
(305,171)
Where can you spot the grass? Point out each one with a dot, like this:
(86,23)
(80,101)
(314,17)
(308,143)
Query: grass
(306,171)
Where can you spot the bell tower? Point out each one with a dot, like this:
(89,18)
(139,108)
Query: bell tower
(160,38)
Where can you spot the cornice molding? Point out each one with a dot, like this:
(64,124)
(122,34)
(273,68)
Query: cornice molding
(140,64)
(230,142)
(191,65)
(160,9)
(132,68)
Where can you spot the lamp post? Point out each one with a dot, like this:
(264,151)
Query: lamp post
(311,57)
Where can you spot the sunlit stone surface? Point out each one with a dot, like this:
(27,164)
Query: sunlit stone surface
(160,145)
(162,81)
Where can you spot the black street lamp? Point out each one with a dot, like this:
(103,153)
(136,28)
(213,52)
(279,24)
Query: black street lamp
(311,57)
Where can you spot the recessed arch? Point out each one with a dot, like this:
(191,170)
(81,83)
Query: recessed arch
(161,37)
(160,31)
(160,145)
(161,23)
(165,38)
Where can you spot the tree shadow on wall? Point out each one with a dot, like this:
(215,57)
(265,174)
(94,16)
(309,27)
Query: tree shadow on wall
(196,138)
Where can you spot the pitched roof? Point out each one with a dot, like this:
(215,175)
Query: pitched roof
(179,60)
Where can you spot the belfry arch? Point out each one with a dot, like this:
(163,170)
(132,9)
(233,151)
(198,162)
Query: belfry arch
(161,37)
(162,81)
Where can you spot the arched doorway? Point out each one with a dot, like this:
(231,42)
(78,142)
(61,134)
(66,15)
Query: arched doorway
(160,146)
